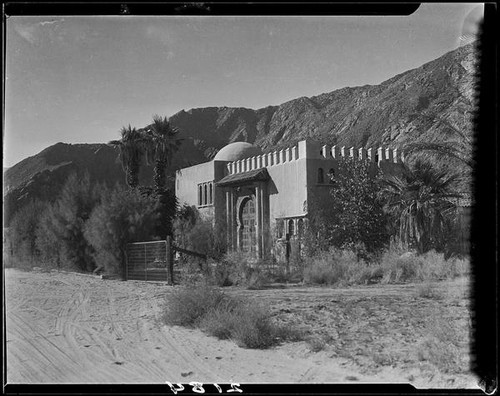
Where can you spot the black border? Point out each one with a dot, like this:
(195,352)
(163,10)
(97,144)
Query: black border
(484,224)
(258,8)
(484,227)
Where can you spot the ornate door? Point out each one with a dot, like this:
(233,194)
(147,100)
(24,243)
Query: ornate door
(248,238)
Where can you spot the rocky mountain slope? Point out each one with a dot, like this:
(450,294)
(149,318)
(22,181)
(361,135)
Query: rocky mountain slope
(408,107)
(390,113)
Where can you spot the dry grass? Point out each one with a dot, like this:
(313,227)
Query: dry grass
(250,325)
(444,346)
(343,268)
(429,290)
(421,326)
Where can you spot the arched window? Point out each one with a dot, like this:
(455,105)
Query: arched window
(321,177)
(331,175)
(200,195)
(290,227)
(300,228)
(211,197)
(205,195)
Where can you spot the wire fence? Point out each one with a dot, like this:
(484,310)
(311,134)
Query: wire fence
(147,261)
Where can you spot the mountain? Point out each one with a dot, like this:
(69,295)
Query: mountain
(390,113)
(405,108)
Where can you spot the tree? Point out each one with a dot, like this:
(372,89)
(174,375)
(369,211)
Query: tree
(68,217)
(21,235)
(162,143)
(420,201)
(48,241)
(123,216)
(131,147)
(353,216)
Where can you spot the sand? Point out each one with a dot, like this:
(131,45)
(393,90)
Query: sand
(68,328)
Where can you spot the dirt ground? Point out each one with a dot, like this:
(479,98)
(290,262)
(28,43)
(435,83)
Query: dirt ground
(72,328)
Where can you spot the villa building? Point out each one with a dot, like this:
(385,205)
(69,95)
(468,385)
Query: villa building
(261,201)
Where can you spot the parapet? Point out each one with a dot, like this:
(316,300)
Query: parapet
(305,149)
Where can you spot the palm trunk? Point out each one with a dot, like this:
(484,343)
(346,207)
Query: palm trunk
(133,174)
(159,175)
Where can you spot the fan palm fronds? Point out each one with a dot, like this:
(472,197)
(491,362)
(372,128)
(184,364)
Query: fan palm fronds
(420,201)
(162,143)
(131,146)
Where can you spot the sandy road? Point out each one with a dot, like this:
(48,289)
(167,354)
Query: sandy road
(69,328)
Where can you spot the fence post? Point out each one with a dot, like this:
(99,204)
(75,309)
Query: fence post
(145,264)
(126,263)
(170,259)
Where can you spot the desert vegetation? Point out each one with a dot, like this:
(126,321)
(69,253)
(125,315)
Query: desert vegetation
(250,325)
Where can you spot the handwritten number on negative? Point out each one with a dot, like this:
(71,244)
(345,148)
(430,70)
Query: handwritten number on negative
(197,387)
(174,389)
(234,388)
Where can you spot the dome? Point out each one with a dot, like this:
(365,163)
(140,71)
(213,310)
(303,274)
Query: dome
(236,151)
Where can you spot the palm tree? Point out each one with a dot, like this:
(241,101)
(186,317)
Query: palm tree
(162,144)
(421,201)
(131,147)
(457,147)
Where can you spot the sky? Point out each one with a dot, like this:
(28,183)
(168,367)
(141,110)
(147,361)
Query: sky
(80,79)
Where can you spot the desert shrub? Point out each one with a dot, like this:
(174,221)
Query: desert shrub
(445,346)
(316,343)
(248,324)
(430,291)
(193,232)
(255,329)
(240,268)
(187,306)
(20,249)
(334,267)
(192,270)
(410,267)
(343,267)
(122,217)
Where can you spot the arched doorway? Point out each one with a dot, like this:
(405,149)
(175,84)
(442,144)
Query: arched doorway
(248,237)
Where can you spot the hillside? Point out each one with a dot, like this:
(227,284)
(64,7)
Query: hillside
(392,113)
(389,113)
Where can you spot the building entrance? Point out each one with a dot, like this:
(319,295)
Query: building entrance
(248,238)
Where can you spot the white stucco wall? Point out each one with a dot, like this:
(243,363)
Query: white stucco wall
(187,180)
(287,189)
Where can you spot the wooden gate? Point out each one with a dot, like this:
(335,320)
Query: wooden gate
(153,261)
(147,261)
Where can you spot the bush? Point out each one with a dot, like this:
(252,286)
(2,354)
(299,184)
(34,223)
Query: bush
(444,346)
(335,267)
(224,317)
(344,267)
(240,268)
(187,306)
(122,217)
(430,291)
(410,267)
(317,343)
(193,232)
(20,250)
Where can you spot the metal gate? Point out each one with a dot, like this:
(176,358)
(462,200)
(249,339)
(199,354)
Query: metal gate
(147,261)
